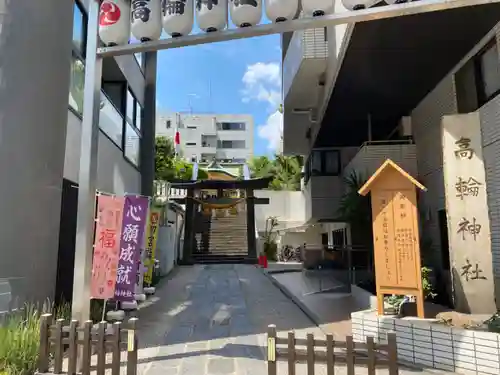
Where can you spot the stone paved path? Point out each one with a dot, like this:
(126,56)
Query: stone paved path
(212,320)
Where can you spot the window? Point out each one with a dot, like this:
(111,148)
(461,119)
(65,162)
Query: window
(331,163)
(478,81)
(79,29)
(191,127)
(130,108)
(77,82)
(190,143)
(132,145)
(77,79)
(488,73)
(231,126)
(169,124)
(323,163)
(138,115)
(111,121)
(230,144)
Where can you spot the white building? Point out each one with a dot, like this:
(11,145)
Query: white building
(203,137)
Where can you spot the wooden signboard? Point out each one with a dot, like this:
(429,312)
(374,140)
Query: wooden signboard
(395,233)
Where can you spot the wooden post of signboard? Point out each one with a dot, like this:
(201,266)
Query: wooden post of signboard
(395,233)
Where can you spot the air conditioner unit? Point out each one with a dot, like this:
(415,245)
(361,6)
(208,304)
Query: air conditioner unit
(405,129)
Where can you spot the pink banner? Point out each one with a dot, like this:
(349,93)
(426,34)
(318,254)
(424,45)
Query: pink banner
(107,246)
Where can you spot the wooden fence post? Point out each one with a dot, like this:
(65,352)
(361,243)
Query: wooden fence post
(58,346)
(101,348)
(330,355)
(43,353)
(392,353)
(132,347)
(350,355)
(115,367)
(291,353)
(310,354)
(73,347)
(87,347)
(271,350)
(370,346)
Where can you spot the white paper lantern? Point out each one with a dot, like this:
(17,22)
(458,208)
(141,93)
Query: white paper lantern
(114,22)
(359,4)
(318,8)
(245,13)
(211,15)
(178,17)
(281,10)
(146,19)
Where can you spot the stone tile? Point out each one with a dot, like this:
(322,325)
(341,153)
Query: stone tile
(218,366)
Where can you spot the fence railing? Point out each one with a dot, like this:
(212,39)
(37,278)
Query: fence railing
(312,351)
(61,345)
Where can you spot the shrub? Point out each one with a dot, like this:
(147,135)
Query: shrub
(19,342)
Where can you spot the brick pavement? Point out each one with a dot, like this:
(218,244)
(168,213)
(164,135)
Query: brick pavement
(212,320)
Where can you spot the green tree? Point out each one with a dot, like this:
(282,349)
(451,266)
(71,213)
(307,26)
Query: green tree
(164,159)
(285,170)
(184,171)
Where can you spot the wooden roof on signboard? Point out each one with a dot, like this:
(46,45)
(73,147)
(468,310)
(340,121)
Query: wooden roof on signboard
(388,164)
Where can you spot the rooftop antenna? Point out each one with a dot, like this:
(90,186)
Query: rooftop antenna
(190,104)
(209,95)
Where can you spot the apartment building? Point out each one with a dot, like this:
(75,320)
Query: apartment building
(204,137)
(387,89)
(41,103)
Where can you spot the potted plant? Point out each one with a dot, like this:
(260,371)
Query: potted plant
(270,245)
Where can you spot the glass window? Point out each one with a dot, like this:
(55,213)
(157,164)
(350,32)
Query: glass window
(130,107)
(316,162)
(332,162)
(138,115)
(490,72)
(77,82)
(110,121)
(169,124)
(79,25)
(132,145)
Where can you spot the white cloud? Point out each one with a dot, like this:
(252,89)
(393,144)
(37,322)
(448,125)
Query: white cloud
(272,130)
(262,82)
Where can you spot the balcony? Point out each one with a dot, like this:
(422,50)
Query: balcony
(304,63)
(207,149)
(371,156)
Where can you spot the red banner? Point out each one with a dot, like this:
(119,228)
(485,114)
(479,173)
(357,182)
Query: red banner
(106,246)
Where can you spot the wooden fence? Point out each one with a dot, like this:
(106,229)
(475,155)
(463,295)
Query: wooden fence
(351,354)
(68,345)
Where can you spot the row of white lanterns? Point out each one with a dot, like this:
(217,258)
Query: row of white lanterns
(145,18)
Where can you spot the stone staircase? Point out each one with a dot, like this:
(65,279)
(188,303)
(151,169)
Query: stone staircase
(221,239)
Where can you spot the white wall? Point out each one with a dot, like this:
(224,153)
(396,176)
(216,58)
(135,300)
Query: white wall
(167,239)
(114,173)
(288,206)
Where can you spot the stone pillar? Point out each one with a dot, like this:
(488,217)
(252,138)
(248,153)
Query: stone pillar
(252,241)
(35,63)
(148,125)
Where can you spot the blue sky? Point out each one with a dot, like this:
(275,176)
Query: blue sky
(243,76)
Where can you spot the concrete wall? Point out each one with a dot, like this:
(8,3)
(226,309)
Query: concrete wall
(426,124)
(35,52)
(490,128)
(288,206)
(167,241)
(114,173)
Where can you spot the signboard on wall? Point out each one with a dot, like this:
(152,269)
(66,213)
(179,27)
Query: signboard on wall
(467,214)
(395,233)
